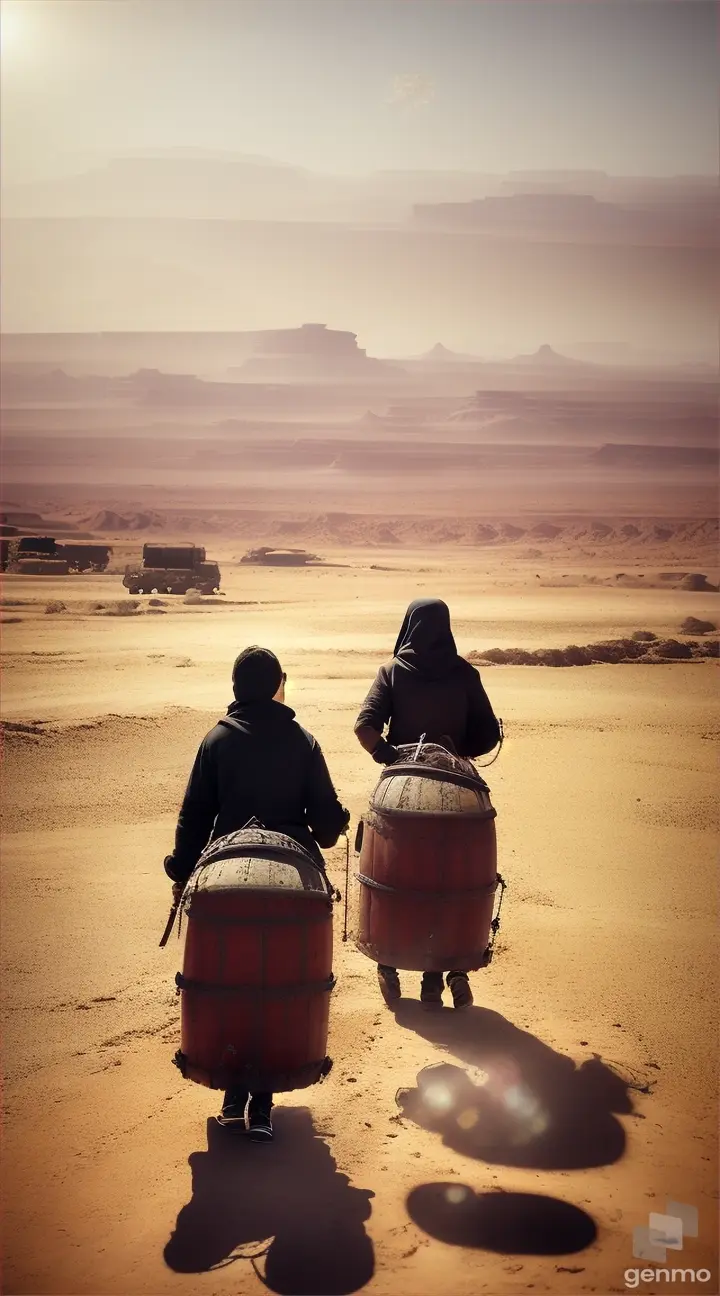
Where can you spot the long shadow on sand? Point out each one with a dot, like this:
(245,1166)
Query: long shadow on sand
(528,1106)
(284,1208)
(508,1223)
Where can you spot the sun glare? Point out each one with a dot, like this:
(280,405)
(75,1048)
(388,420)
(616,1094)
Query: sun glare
(11,23)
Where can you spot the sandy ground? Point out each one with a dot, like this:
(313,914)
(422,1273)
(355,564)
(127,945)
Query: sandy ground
(596,1015)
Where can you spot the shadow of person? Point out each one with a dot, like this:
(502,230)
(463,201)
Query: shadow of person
(285,1204)
(526,1106)
(510,1223)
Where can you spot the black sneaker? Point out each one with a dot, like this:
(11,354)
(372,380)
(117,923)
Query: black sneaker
(260,1125)
(431,991)
(233,1110)
(389,983)
(460,989)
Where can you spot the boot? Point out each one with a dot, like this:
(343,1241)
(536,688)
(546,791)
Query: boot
(259,1122)
(233,1108)
(431,991)
(389,983)
(460,989)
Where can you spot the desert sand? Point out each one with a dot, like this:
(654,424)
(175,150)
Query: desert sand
(598,1010)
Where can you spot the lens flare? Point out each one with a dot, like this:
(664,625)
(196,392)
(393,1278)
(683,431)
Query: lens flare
(456,1195)
(468,1119)
(438,1098)
(521,1102)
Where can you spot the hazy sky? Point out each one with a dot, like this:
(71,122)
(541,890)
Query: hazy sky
(628,86)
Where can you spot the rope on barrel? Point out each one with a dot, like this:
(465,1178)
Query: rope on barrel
(497,753)
(495,924)
(347,883)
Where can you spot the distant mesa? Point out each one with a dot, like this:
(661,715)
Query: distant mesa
(21,518)
(545,531)
(311,353)
(687,219)
(108,520)
(545,355)
(440,355)
(656,456)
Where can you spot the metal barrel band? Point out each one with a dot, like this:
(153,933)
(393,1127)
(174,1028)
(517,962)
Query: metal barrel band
(489,889)
(265,992)
(409,768)
(258,850)
(389,812)
(228,920)
(253,1076)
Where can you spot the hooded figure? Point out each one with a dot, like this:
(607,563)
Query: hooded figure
(425,643)
(256,763)
(427,689)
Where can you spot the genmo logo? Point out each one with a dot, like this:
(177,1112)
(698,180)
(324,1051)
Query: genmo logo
(633,1277)
(661,1234)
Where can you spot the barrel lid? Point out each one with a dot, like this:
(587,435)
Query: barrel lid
(428,779)
(258,858)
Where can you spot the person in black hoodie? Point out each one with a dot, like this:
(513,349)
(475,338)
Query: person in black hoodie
(427,689)
(256,763)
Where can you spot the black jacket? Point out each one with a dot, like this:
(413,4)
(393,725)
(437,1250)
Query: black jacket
(455,706)
(257,763)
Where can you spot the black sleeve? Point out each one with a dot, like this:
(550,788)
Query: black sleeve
(376,710)
(483,731)
(197,816)
(327,818)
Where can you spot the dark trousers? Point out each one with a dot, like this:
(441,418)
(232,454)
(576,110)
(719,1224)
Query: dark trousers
(260,1103)
(429,978)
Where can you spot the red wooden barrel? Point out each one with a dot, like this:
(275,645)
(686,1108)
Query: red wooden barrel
(257,971)
(428,865)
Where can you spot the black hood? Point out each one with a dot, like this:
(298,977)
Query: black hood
(425,643)
(266,712)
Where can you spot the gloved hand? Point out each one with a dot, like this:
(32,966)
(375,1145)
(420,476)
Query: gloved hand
(177,891)
(385,753)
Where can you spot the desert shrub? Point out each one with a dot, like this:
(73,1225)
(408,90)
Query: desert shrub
(577,656)
(156,602)
(54,606)
(696,581)
(549,657)
(193,596)
(693,626)
(495,656)
(643,636)
(119,608)
(703,648)
(616,650)
(519,657)
(672,648)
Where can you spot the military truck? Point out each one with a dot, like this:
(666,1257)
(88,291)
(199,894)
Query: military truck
(85,557)
(172,569)
(36,556)
(56,559)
